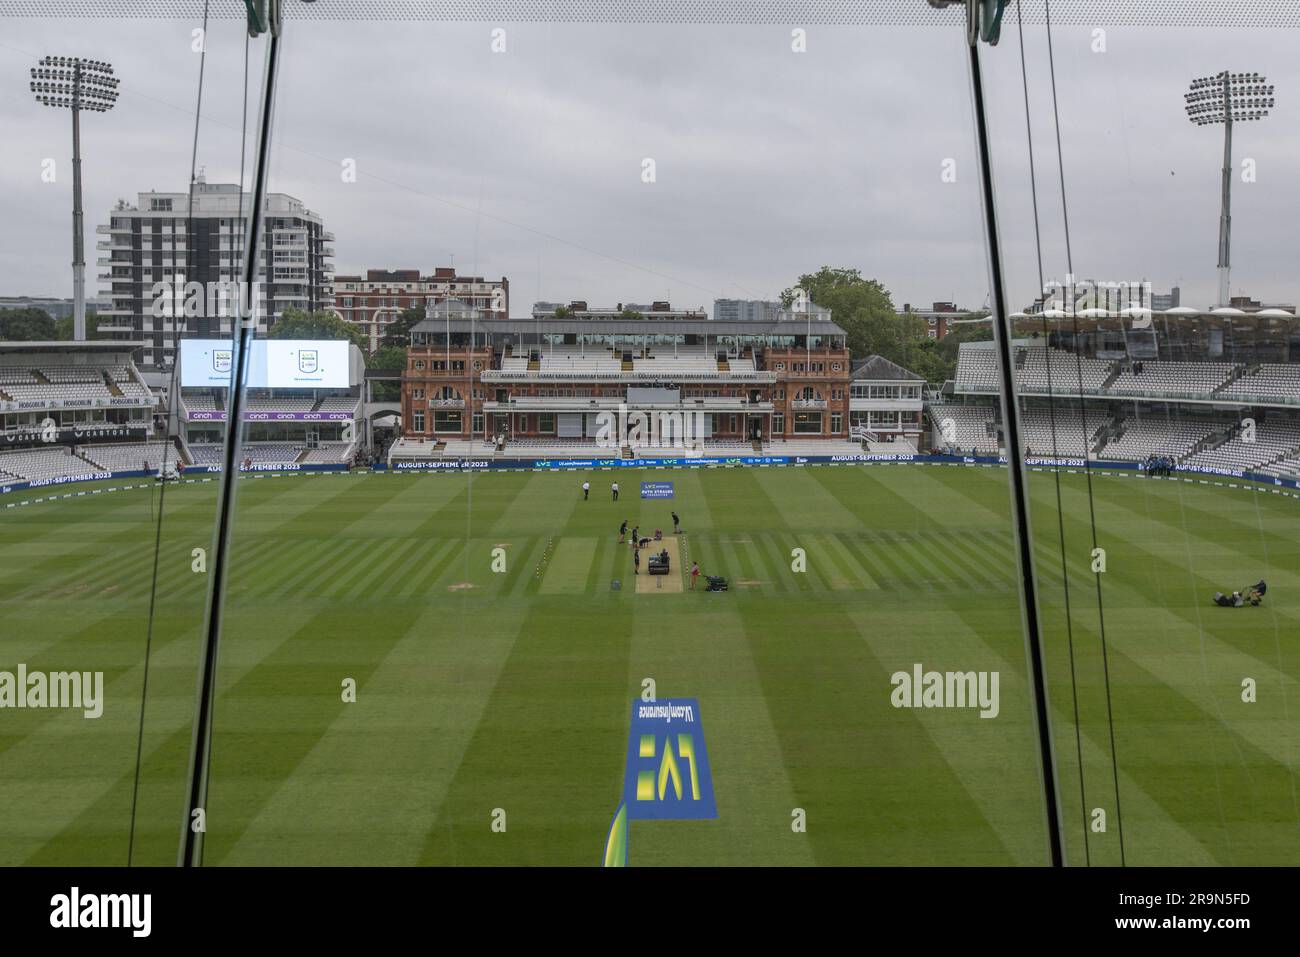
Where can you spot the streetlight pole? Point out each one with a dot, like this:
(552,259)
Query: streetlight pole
(1223,98)
(76,84)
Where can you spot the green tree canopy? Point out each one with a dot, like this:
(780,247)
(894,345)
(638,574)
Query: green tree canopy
(862,307)
(865,310)
(27,324)
(387,357)
(299,324)
(398,332)
(64,327)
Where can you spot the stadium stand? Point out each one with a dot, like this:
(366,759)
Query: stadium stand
(728,447)
(977,372)
(328,453)
(338,403)
(41,464)
(129,456)
(1040,368)
(1173,377)
(262,453)
(531,448)
(1060,431)
(1142,437)
(205,454)
(295,403)
(1286,466)
(1268,380)
(973,427)
(977,369)
(812,447)
(1271,442)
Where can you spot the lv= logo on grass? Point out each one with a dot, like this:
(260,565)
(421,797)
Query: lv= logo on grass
(666,776)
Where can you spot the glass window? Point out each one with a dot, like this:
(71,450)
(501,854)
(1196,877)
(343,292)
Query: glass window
(1049,618)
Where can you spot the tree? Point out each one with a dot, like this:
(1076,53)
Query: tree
(27,324)
(64,330)
(861,307)
(398,332)
(387,358)
(299,324)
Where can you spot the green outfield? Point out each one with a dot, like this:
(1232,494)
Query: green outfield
(481,689)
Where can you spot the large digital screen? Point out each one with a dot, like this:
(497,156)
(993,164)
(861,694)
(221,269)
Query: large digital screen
(272,363)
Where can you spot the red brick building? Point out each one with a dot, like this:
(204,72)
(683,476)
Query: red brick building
(379,298)
(547,378)
(937,317)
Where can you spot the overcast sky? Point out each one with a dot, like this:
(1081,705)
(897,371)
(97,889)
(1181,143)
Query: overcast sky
(769,163)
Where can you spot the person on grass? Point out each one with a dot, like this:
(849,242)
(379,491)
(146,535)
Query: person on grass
(614,489)
(586,490)
(676,522)
(695,573)
(622,532)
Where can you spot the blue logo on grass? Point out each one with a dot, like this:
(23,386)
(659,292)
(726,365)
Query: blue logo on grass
(667,776)
(656,489)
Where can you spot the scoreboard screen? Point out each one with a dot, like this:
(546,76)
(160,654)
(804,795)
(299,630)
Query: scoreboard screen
(272,363)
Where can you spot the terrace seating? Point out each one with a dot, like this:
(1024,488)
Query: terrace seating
(977,370)
(262,453)
(1057,370)
(1181,377)
(1158,435)
(806,447)
(329,453)
(728,446)
(129,457)
(56,393)
(575,361)
(204,453)
(973,427)
(293,403)
(42,464)
(62,383)
(1271,441)
(271,453)
(1060,431)
(557,449)
(1269,380)
(338,403)
(1287,466)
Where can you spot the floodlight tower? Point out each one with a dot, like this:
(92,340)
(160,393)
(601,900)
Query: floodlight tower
(1222,98)
(76,84)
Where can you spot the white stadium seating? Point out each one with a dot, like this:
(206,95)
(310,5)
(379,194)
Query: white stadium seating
(1176,377)
(129,457)
(41,464)
(1144,436)
(1269,442)
(1056,370)
(972,426)
(1268,380)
